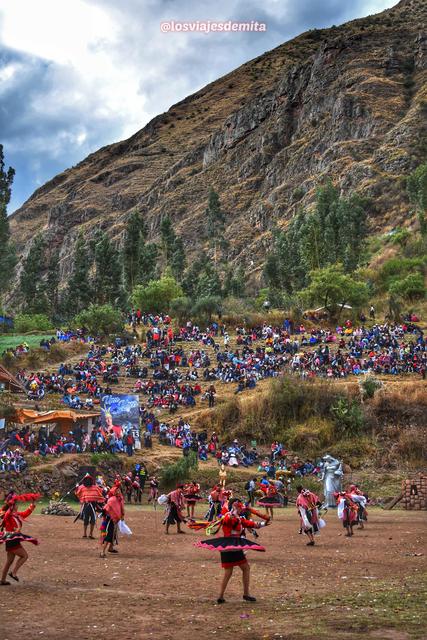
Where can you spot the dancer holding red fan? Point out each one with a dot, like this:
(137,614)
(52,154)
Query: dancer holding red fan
(10,534)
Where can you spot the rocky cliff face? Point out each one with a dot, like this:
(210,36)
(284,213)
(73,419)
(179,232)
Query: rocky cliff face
(348,103)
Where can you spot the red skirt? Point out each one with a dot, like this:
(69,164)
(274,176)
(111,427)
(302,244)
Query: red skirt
(13,540)
(272,502)
(231,548)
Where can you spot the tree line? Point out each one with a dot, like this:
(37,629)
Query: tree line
(319,258)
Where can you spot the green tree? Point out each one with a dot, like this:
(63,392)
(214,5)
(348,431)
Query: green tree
(108,272)
(7,249)
(100,320)
(134,232)
(168,237)
(52,283)
(191,277)
(157,296)
(209,283)
(148,256)
(333,288)
(272,271)
(208,306)
(24,323)
(235,283)
(416,187)
(78,294)
(178,261)
(32,286)
(409,288)
(181,308)
(215,223)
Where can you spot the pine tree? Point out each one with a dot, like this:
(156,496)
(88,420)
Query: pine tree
(108,272)
(168,236)
(237,285)
(32,286)
(79,294)
(147,268)
(271,271)
(52,283)
(135,230)
(209,283)
(190,280)
(7,250)
(215,223)
(178,260)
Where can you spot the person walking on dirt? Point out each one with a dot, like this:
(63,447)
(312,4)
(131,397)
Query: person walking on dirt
(176,502)
(154,490)
(113,512)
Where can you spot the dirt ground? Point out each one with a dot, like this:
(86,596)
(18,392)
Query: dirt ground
(162,587)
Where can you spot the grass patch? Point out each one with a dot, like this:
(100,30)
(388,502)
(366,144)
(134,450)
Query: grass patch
(10,341)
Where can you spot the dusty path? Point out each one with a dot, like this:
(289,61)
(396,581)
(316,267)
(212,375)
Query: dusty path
(162,587)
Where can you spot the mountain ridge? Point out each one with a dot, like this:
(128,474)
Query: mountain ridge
(347,102)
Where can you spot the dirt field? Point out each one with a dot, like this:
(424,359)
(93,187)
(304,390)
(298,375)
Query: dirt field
(163,587)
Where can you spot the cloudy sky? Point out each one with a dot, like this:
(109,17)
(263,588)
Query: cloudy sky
(78,74)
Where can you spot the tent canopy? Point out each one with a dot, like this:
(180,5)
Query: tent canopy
(10,382)
(29,416)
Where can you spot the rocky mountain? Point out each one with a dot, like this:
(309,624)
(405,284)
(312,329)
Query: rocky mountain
(349,103)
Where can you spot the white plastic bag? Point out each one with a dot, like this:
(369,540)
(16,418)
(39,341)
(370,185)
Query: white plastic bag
(124,529)
(322,523)
(162,499)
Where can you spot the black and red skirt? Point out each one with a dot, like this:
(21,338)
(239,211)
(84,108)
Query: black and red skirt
(192,498)
(13,540)
(232,549)
(272,502)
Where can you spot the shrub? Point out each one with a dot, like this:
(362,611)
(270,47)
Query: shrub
(368,385)
(355,451)
(312,437)
(397,268)
(410,288)
(180,470)
(207,306)
(57,352)
(8,359)
(34,358)
(349,418)
(181,308)
(412,445)
(401,237)
(100,319)
(24,323)
(99,458)
(157,296)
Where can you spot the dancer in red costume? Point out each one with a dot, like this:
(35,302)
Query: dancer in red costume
(361,500)
(176,503)
(307,504)
(232,546)
(191,495)
(271,499)
(10,534)
(346,511)
(113,511)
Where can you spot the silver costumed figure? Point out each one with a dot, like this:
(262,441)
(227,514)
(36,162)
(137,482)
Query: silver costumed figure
(332,479)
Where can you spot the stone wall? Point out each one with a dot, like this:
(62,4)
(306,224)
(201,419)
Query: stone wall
(415,493)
